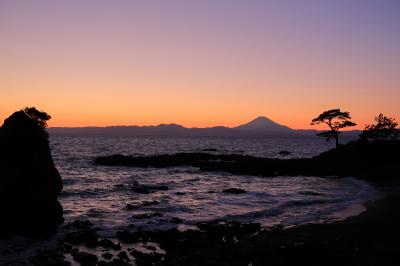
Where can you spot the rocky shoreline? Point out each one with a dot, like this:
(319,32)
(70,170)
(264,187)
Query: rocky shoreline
(368,239)
(29,203)
(367,160)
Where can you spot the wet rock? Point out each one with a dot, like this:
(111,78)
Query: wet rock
(234,191)
(147,189)
(49,258)
(176,220)
(149,203)
(141,190)
(107,255)
(84,258)
(210,150)
(114,262)
(284,153)
(147,215)
(81,232)
(227,231)
(108,244)
(125,236)
(177,243)
(310,193)
(87,237)
(80,224)
(130,207)
(123,256)
(144,259)
(29,181)
(133,237)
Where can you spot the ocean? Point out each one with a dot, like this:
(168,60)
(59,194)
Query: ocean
(103,195)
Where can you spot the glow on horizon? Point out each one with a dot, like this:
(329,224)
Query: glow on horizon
(199,63)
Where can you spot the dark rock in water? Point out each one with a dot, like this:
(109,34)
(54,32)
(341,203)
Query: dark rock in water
(176,220)
(147,189)
(180,193)
(146,258)
(132,237)
(149,203)
(147,215)
(106,243)
(130,207)
(227,231)
(310,193)
(177,243)
(285,153)
(376,161)
(29,181)
(210,150)
(85,259)
(141,190)
(83,232)
(234,191)
(80,224)
(107,255)
(87,237)
(126,236)
(114,262)
(123,256)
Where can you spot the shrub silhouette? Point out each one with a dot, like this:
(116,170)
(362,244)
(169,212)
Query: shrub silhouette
(336,120)
(38,116)
(383,130)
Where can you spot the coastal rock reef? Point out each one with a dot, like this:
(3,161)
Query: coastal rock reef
(374,161)
(29,180)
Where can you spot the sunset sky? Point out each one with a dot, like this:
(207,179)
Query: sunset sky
(199,63)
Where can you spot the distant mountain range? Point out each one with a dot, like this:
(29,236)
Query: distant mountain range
(261,126)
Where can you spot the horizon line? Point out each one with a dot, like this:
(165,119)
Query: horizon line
(182,126)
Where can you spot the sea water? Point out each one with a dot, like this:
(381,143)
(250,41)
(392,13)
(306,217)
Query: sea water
(101,194)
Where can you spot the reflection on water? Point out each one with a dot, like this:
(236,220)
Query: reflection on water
(104,196)
(102,193)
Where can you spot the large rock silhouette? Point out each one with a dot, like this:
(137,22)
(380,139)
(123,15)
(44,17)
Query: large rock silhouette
(29,181)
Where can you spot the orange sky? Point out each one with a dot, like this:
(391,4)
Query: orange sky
(199,64)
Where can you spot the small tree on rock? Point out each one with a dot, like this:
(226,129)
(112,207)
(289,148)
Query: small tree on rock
(336,120)
(38,116)
(383,130)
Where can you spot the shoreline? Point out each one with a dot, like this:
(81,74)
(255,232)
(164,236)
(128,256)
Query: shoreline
(370,238)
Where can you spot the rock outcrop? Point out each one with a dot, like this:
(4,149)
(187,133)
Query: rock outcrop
(377,162)
(29,180)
